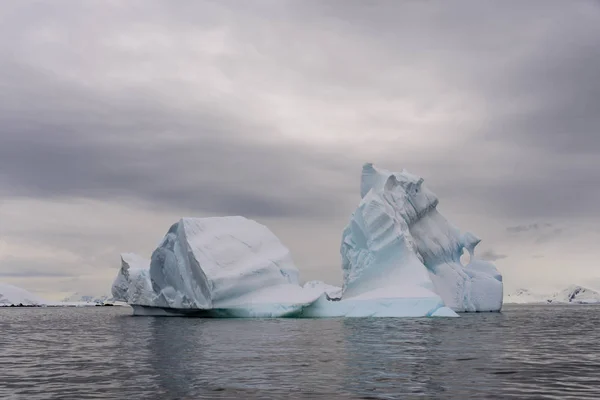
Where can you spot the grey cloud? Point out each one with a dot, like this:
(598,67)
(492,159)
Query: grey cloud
(491,255)
(533,76)
(543,232)
(216,167)
(28,273)
(549,236)
(528,228)
(494,105)
(88,142)
(13,267)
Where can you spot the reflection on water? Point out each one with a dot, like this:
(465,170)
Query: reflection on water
(524,352)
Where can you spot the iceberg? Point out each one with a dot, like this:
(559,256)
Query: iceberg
(236,267)
(397,238)
(132,284)
(219,266)
(400,258)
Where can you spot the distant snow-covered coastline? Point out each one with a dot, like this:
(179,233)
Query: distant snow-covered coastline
(13,296)
(573,294)
(82,298)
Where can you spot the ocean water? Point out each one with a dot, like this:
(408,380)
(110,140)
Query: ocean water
(105,353)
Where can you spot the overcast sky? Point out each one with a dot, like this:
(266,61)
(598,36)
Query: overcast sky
(119,117)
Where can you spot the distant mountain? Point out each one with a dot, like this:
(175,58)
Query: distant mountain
(10,294)
(81,298)
(576,294)
(524,296)
(571,295)
(13,295)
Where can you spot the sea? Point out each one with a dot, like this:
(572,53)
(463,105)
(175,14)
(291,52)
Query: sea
(524,352)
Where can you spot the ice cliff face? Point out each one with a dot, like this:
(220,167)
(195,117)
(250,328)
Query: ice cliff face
(396,238)
(230,265)
(132,284)
(221,262)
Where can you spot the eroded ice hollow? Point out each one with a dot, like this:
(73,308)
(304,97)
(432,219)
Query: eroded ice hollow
(400,258)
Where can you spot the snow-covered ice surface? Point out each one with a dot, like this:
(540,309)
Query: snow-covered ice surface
(397,239)
(10,294)
(573,294)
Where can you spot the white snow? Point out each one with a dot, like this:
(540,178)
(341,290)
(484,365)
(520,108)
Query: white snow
(379,303)
(525,296)
(10,294)
(576,294)
(334,292)
(86,298)
(573,294)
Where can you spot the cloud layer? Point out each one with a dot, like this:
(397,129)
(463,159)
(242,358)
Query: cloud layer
(268,109)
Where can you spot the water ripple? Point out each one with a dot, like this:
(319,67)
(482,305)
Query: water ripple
(525,352)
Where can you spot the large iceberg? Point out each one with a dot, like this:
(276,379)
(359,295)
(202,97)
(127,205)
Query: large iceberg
(236,267)
(397,238)
(221,266)
(400,258)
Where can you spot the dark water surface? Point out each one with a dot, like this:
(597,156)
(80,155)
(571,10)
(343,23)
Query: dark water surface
(104,353)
